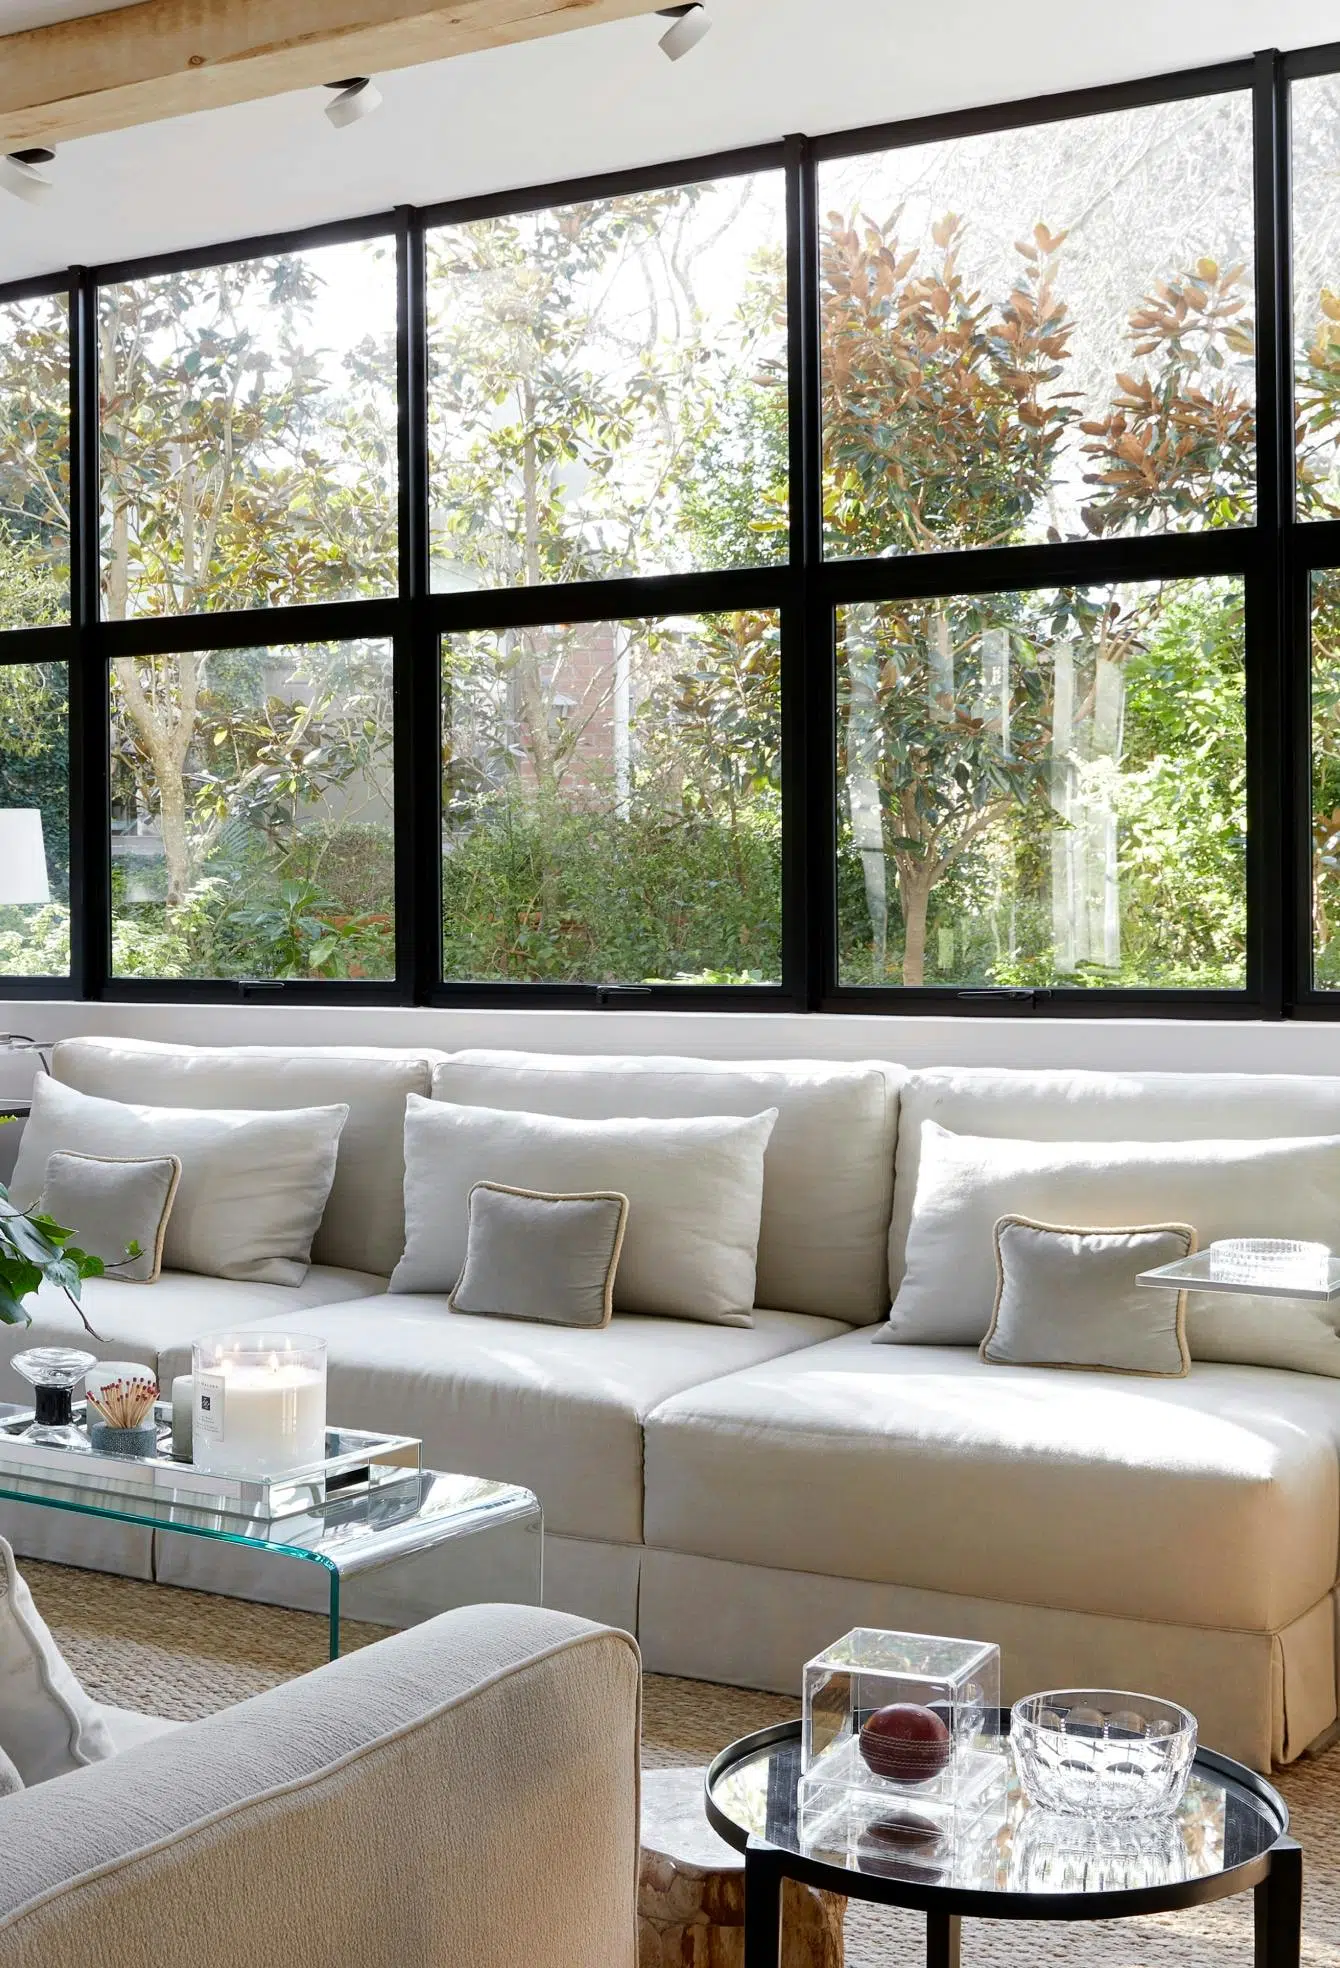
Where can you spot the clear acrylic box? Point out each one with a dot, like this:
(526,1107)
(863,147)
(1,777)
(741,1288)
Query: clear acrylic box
(937,1769)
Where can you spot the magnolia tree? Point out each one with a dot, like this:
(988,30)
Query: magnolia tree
(945,418)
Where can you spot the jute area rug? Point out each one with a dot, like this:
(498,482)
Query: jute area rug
(185,1654)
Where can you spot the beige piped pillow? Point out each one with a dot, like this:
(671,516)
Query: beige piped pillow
(547,1258)
(1067,1297)
(113,1203)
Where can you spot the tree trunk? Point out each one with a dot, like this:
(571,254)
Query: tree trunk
(914,890)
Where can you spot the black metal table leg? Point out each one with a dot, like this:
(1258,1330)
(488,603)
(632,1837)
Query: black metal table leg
(942,1940)
(763,1876)
(1279,1909)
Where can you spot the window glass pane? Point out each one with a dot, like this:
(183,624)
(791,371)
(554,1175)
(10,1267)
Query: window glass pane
(1316,292)
(608,387)
(34,462)
(612,802)
(1044,788)
(1326,779)
(1041,332)
(34,820)
(252,813)
(249,434)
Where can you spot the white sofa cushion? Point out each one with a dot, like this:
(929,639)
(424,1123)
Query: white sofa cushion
(1276,1188)
(1211,1501)
(135,1324)
(827,1178)
(554,1407)
(253,1185)
(363,1228)
(694,1189)
(1083,1106)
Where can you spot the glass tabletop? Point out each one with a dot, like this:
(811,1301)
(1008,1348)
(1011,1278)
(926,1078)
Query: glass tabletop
(346,1534)
(1227,1819)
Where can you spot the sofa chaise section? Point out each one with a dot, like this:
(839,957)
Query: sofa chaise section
(1172,1533)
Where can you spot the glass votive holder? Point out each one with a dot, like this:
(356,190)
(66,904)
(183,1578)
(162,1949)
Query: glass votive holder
(1277,1261)
(53,1373)
(259,1403)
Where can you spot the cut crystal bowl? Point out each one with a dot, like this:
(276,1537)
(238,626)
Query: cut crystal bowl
(1093,1753)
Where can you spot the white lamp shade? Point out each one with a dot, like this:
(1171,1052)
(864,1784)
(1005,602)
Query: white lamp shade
(23,861)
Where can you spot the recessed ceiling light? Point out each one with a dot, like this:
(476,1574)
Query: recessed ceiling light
(358,96)
(690,25)
(21,174)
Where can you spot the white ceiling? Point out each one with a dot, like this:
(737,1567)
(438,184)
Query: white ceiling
(601,99)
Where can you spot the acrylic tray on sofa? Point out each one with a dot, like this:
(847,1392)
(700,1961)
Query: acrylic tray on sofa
(356,1461)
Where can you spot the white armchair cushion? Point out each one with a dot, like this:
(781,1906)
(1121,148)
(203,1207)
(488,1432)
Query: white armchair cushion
(253,1185)
(48,1725)
(966,1183)
(694,1189)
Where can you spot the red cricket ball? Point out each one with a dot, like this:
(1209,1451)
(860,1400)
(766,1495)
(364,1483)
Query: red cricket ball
(905,1743)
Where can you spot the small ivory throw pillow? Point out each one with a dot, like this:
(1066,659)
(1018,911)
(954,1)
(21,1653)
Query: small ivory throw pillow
(1069,1298)
(547,1258)
(48,1725)
(112,1204)
(694,1189)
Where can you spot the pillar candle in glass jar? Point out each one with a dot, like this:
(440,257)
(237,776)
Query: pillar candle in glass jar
(260,1403)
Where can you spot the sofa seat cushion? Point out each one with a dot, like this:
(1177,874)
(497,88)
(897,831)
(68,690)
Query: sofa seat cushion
(137,1322)
(1208,1501)
(556,1408)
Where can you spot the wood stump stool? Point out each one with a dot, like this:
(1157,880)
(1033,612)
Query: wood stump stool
(690,1899)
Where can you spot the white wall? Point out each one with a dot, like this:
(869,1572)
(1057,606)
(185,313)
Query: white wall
(1170,1045)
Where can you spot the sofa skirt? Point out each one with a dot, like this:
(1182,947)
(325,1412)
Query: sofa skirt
(1260,1697)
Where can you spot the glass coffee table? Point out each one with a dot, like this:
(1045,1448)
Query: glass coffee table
(1230,1835)
(428,1538)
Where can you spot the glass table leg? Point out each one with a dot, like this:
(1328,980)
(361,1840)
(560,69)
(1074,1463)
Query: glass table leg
(334,1615)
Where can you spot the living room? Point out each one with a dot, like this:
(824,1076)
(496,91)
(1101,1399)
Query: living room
(670,922)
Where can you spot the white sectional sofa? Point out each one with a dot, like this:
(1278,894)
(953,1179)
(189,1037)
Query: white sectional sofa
(738,1497)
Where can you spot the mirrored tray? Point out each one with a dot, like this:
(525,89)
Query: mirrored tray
(356,1461)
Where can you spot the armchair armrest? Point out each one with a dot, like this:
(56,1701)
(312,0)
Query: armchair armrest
(460,1795)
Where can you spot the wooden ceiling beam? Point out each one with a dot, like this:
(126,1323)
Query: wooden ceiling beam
(162,58)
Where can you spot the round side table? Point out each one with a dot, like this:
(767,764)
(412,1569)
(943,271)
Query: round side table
(1230,1835)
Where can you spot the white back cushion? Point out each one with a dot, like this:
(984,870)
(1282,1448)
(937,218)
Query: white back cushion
(253,1185)
(828,1174)
(1222,1188)
(694,1189)
(363,1228)
(1079,1106)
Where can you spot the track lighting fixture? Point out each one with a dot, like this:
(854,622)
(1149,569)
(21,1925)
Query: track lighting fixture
(21,174)
(688,26)
(358,96)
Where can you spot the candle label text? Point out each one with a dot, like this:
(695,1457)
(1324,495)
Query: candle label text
(209,1390)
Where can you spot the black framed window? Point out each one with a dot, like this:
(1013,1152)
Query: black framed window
(893,570)
(252,795)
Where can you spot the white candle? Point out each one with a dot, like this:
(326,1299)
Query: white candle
(258,1415)
(183,1401)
